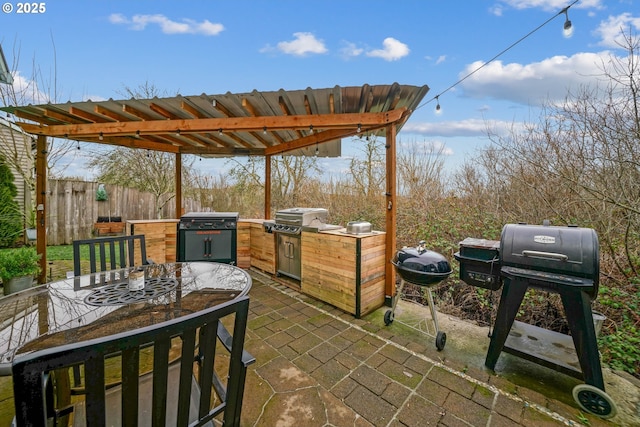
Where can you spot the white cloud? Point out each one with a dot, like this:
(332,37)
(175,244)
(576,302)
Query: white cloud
(167,26)
(433,147)
(496,10)
(547,5)
(535,83)
(611,31)
(462,128)
(303,44)
(392,50)
(350,50)
(27,90)
(441,59)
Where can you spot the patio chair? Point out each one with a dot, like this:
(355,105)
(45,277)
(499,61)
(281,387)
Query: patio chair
(171,394)
(108,253)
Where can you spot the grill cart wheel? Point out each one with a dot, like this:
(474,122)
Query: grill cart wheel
(594,401)
(388,317)
(441,340)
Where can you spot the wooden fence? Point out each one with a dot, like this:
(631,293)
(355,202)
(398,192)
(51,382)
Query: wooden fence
(73,208)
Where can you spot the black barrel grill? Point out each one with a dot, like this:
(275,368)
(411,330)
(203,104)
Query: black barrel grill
(559,259)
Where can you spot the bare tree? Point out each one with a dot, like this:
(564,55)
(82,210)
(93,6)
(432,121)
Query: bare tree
(368,173)
(38,88)
(146,170)
(290,176)
(579,163)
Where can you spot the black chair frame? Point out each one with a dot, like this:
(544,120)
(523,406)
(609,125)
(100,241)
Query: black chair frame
(120,252)
(200,334)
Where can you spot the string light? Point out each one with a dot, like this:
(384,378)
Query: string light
(567,23)
(100,137)
(264,130)
(359,128)
(567,29)
(220,132)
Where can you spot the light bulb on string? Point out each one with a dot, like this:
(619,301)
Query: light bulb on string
(567,28)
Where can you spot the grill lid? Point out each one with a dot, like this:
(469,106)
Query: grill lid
(421,266)
(301,216)
(559,254)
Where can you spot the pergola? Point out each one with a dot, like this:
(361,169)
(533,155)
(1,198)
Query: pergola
(255,123)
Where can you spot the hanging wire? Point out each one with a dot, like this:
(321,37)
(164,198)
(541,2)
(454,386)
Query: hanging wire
(511,46)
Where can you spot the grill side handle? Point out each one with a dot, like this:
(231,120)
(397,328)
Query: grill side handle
(549,255)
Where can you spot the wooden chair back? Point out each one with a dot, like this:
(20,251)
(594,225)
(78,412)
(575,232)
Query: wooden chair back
(202,336)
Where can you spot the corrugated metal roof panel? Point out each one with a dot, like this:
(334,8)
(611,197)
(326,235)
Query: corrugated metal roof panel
(229,124)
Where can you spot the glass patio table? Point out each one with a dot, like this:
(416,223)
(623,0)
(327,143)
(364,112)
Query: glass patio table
(101,304)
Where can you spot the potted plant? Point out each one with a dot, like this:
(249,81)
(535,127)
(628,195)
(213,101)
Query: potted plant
(18,267)
(31,226)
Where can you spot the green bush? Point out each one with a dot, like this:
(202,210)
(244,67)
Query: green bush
(10,214)
(19,262)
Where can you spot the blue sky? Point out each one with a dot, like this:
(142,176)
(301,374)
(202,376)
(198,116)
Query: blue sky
(191,47)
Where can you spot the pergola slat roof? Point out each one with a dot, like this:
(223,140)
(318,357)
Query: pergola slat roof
(255,123)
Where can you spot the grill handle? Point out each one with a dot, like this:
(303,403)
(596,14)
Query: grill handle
(550,255)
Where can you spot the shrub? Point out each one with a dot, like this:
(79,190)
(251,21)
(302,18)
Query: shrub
(19,262)
(10,214)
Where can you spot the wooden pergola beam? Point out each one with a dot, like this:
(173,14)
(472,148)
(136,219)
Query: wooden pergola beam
(229,124)
(41,205)
(391,214)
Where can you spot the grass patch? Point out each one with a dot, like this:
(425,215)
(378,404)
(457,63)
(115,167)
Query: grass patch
(62,252)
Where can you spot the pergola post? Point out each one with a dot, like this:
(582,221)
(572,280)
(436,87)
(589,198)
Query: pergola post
(41,205)
(391,217)
(267,187)
(178,185)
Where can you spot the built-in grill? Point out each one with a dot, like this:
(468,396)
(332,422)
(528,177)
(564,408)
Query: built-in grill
(558,259)
(289,224)
(291,221)
(208,236)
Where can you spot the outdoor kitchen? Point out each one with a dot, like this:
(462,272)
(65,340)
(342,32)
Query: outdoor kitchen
(341,265)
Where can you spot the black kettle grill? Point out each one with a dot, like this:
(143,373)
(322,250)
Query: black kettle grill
(421,267)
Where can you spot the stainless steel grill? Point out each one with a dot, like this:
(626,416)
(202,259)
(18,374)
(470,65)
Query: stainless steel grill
(288,227)
(291,221)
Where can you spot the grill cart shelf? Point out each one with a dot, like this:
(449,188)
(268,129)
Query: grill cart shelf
(562,260)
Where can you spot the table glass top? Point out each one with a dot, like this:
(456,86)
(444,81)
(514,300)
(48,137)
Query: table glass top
(101,304)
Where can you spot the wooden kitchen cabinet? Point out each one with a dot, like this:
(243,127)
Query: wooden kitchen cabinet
(263,248)
(243,244)
(160,236)
(344,270)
